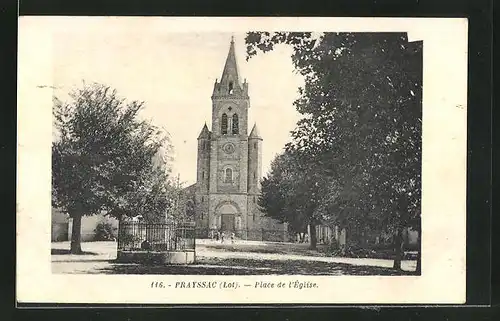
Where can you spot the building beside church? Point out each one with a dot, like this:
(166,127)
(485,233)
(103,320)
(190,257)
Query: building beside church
(229,165)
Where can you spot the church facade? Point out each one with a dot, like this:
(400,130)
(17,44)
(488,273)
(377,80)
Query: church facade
(229,165)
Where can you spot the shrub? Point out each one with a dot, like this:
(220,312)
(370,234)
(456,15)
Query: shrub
(333,247)
(334,244)
(104,231)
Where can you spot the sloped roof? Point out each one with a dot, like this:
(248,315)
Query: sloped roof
(231,66)
(205,133)
(255,132)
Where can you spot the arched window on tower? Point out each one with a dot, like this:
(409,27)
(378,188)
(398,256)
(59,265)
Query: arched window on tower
(223,126)
(235,124)
(228,177)
(230,88)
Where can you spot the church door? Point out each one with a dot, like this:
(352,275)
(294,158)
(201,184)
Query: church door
(227,223)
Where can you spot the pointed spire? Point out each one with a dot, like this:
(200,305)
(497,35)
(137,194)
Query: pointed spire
(255,132)
(231,66)
(205,133)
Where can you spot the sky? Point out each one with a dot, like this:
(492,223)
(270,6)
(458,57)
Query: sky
(174,73)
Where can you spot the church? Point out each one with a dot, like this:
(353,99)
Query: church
(229,165)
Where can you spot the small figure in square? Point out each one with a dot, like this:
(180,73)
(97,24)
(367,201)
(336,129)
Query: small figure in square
(217,235)
(222,237)
(232,238)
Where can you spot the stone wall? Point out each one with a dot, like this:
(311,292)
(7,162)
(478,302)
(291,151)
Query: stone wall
(89,223)
(59,226)
(201,209)
(221,105)
(216,200)
(203,165)
(254,165)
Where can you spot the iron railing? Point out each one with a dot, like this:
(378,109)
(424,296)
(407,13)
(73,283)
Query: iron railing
(269,235)
(141,236)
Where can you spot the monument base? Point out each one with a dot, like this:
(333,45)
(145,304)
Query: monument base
(148,257)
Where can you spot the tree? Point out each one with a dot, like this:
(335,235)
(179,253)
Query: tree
(274,200)
(183,206)
(291,193)
(102,159)
(361,125)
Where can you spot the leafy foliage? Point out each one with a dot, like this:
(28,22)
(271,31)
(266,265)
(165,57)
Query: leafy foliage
(102,159)
(104,231)
(182,207)
(278,197)
(360,135)
(292,192)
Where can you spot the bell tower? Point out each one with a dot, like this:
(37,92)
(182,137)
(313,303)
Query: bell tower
(230,96)
(230,103)
(229,160)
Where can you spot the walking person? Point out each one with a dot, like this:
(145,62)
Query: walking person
(232,237)
(222,237)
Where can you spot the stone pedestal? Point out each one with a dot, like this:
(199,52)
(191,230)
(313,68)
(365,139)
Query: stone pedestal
(174,257)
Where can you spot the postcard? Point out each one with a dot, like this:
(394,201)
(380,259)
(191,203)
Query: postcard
(241,160)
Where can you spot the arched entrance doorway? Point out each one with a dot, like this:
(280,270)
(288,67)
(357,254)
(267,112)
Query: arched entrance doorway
(228,217)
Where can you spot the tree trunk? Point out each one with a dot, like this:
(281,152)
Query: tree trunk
(76,244)
(313,238)
(418,270)
(398,249)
